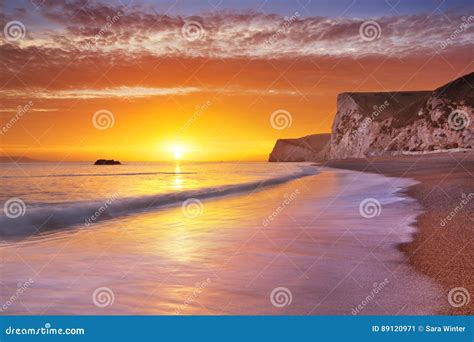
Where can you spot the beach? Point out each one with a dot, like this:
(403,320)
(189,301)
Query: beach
(256,238)
(237,170)
(442,247)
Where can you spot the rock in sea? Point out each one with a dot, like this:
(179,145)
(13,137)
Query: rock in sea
(107,162)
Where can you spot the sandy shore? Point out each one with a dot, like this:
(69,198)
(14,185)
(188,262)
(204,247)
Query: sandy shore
(443,248)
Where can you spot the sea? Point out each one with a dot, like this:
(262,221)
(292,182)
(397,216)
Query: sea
(214,238)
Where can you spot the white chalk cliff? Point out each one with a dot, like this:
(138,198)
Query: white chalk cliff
(309,148)
(371,124)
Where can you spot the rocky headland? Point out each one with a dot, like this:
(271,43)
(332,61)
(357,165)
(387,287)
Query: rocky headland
(390,123)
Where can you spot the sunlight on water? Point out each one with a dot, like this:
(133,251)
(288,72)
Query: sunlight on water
(38,183)
(55,197)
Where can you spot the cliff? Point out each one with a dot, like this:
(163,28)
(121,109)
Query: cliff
(371,124)
(309,148)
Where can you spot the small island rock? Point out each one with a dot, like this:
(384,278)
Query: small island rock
(107,162)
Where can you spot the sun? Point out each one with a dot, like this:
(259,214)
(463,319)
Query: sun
(177,151)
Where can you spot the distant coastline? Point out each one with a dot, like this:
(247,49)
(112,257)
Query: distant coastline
(20,159)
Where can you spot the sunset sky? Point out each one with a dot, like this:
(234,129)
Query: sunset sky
(199,80)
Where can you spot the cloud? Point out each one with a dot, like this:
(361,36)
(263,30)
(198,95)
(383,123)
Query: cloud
(91,29)
(80,49)
(128,93)
(14,110)
(122,92)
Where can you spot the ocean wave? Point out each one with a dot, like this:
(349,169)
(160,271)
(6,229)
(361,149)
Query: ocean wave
(52,217)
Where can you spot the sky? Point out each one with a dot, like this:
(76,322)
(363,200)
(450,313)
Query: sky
(208,80)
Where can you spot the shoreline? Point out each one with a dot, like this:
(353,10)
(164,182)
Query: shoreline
(442,248)
(318,247)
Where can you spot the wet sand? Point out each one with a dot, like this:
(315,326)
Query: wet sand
(443,248)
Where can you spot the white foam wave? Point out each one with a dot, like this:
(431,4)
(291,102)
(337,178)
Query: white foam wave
(63,215)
